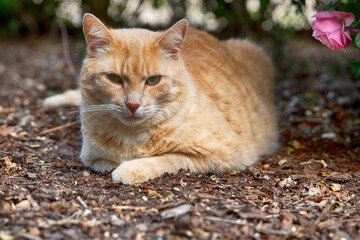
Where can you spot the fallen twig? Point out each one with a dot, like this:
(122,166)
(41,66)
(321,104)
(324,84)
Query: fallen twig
(135,208)
(82,203)
(55,129)
(65,39)
(324,211)
(225,220)
(32,201)
(139,208)
(273,231)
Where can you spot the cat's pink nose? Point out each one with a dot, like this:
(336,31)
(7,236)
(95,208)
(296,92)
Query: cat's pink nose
(133,106)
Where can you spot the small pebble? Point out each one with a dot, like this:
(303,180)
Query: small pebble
(23,205)
(328,135)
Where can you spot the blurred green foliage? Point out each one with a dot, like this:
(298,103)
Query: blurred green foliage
(25,17)
(20,18)
(352,6)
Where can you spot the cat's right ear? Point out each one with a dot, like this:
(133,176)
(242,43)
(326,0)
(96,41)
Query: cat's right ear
(98,36)
(171,41)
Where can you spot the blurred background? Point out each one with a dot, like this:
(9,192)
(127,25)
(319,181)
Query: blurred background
(283,27)
(274,24)
(252,18)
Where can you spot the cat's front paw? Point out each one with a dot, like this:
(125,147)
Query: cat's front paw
(131,172)
(102,165)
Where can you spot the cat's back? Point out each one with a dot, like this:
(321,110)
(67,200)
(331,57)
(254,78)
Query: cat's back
(237,77)
(227,65)
(204,53)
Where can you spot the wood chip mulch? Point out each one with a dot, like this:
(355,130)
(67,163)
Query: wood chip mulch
(308,189)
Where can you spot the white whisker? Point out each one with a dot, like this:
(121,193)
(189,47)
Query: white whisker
(89,116)
(95,109)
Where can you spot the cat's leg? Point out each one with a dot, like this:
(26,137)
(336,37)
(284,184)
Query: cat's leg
(143,169)
(91,157)
(70,97)
(102,165)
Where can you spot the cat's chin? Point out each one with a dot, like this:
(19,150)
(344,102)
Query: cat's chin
(132,120)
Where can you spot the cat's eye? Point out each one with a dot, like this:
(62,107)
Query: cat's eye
(114,78)
(153,80)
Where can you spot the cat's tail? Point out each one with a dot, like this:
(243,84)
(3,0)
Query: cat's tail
(70,97)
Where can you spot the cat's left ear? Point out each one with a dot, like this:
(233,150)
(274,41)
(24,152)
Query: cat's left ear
(98,36)
(172,39)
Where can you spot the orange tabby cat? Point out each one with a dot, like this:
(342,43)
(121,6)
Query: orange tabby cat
(156,102)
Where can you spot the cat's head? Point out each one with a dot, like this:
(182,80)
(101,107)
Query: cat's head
(135,74)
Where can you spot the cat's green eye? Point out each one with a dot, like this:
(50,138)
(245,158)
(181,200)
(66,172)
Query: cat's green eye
(114,78)
(153,80)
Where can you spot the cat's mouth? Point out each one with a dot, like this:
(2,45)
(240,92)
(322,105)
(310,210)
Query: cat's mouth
(134,117)
(133,120)
(129,119)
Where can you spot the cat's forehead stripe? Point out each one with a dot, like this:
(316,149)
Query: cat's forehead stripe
(133,57)
(135,64)
(118,69)
(134,52)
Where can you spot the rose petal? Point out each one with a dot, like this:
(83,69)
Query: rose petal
(347,38)
(354,30)
(323,39)
(324,14)
(337,36)
(346,17)
(334,45)
(327,24)
(342,38)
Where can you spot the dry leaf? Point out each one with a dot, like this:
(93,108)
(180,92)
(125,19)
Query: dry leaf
(7,130)
(205,195)
(256,172)
(314,191)
(336,187)
(286,182)
(303,213)
(6,209)
(296,144)
(234,172)
(153,193)
(177,211)
(282,161)
(23,205)
(323,163)
(10,167)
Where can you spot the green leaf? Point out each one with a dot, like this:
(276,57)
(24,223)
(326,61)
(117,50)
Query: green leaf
(355,24)
(158,3)
(264,2)
(355,67)
(155,4)
(13,25)
(298,5)
(353,7)
(329,6)
(357,41)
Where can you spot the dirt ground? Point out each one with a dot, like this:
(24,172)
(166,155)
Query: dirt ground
(308,189)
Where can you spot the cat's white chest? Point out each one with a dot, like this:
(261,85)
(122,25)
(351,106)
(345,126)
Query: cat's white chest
(115,147)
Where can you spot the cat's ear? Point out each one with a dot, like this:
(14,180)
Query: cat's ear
(98,36)
(170,42)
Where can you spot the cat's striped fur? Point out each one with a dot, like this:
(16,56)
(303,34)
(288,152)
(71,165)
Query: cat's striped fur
(212,111)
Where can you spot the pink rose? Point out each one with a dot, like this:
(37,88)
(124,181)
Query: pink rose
(329,29)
